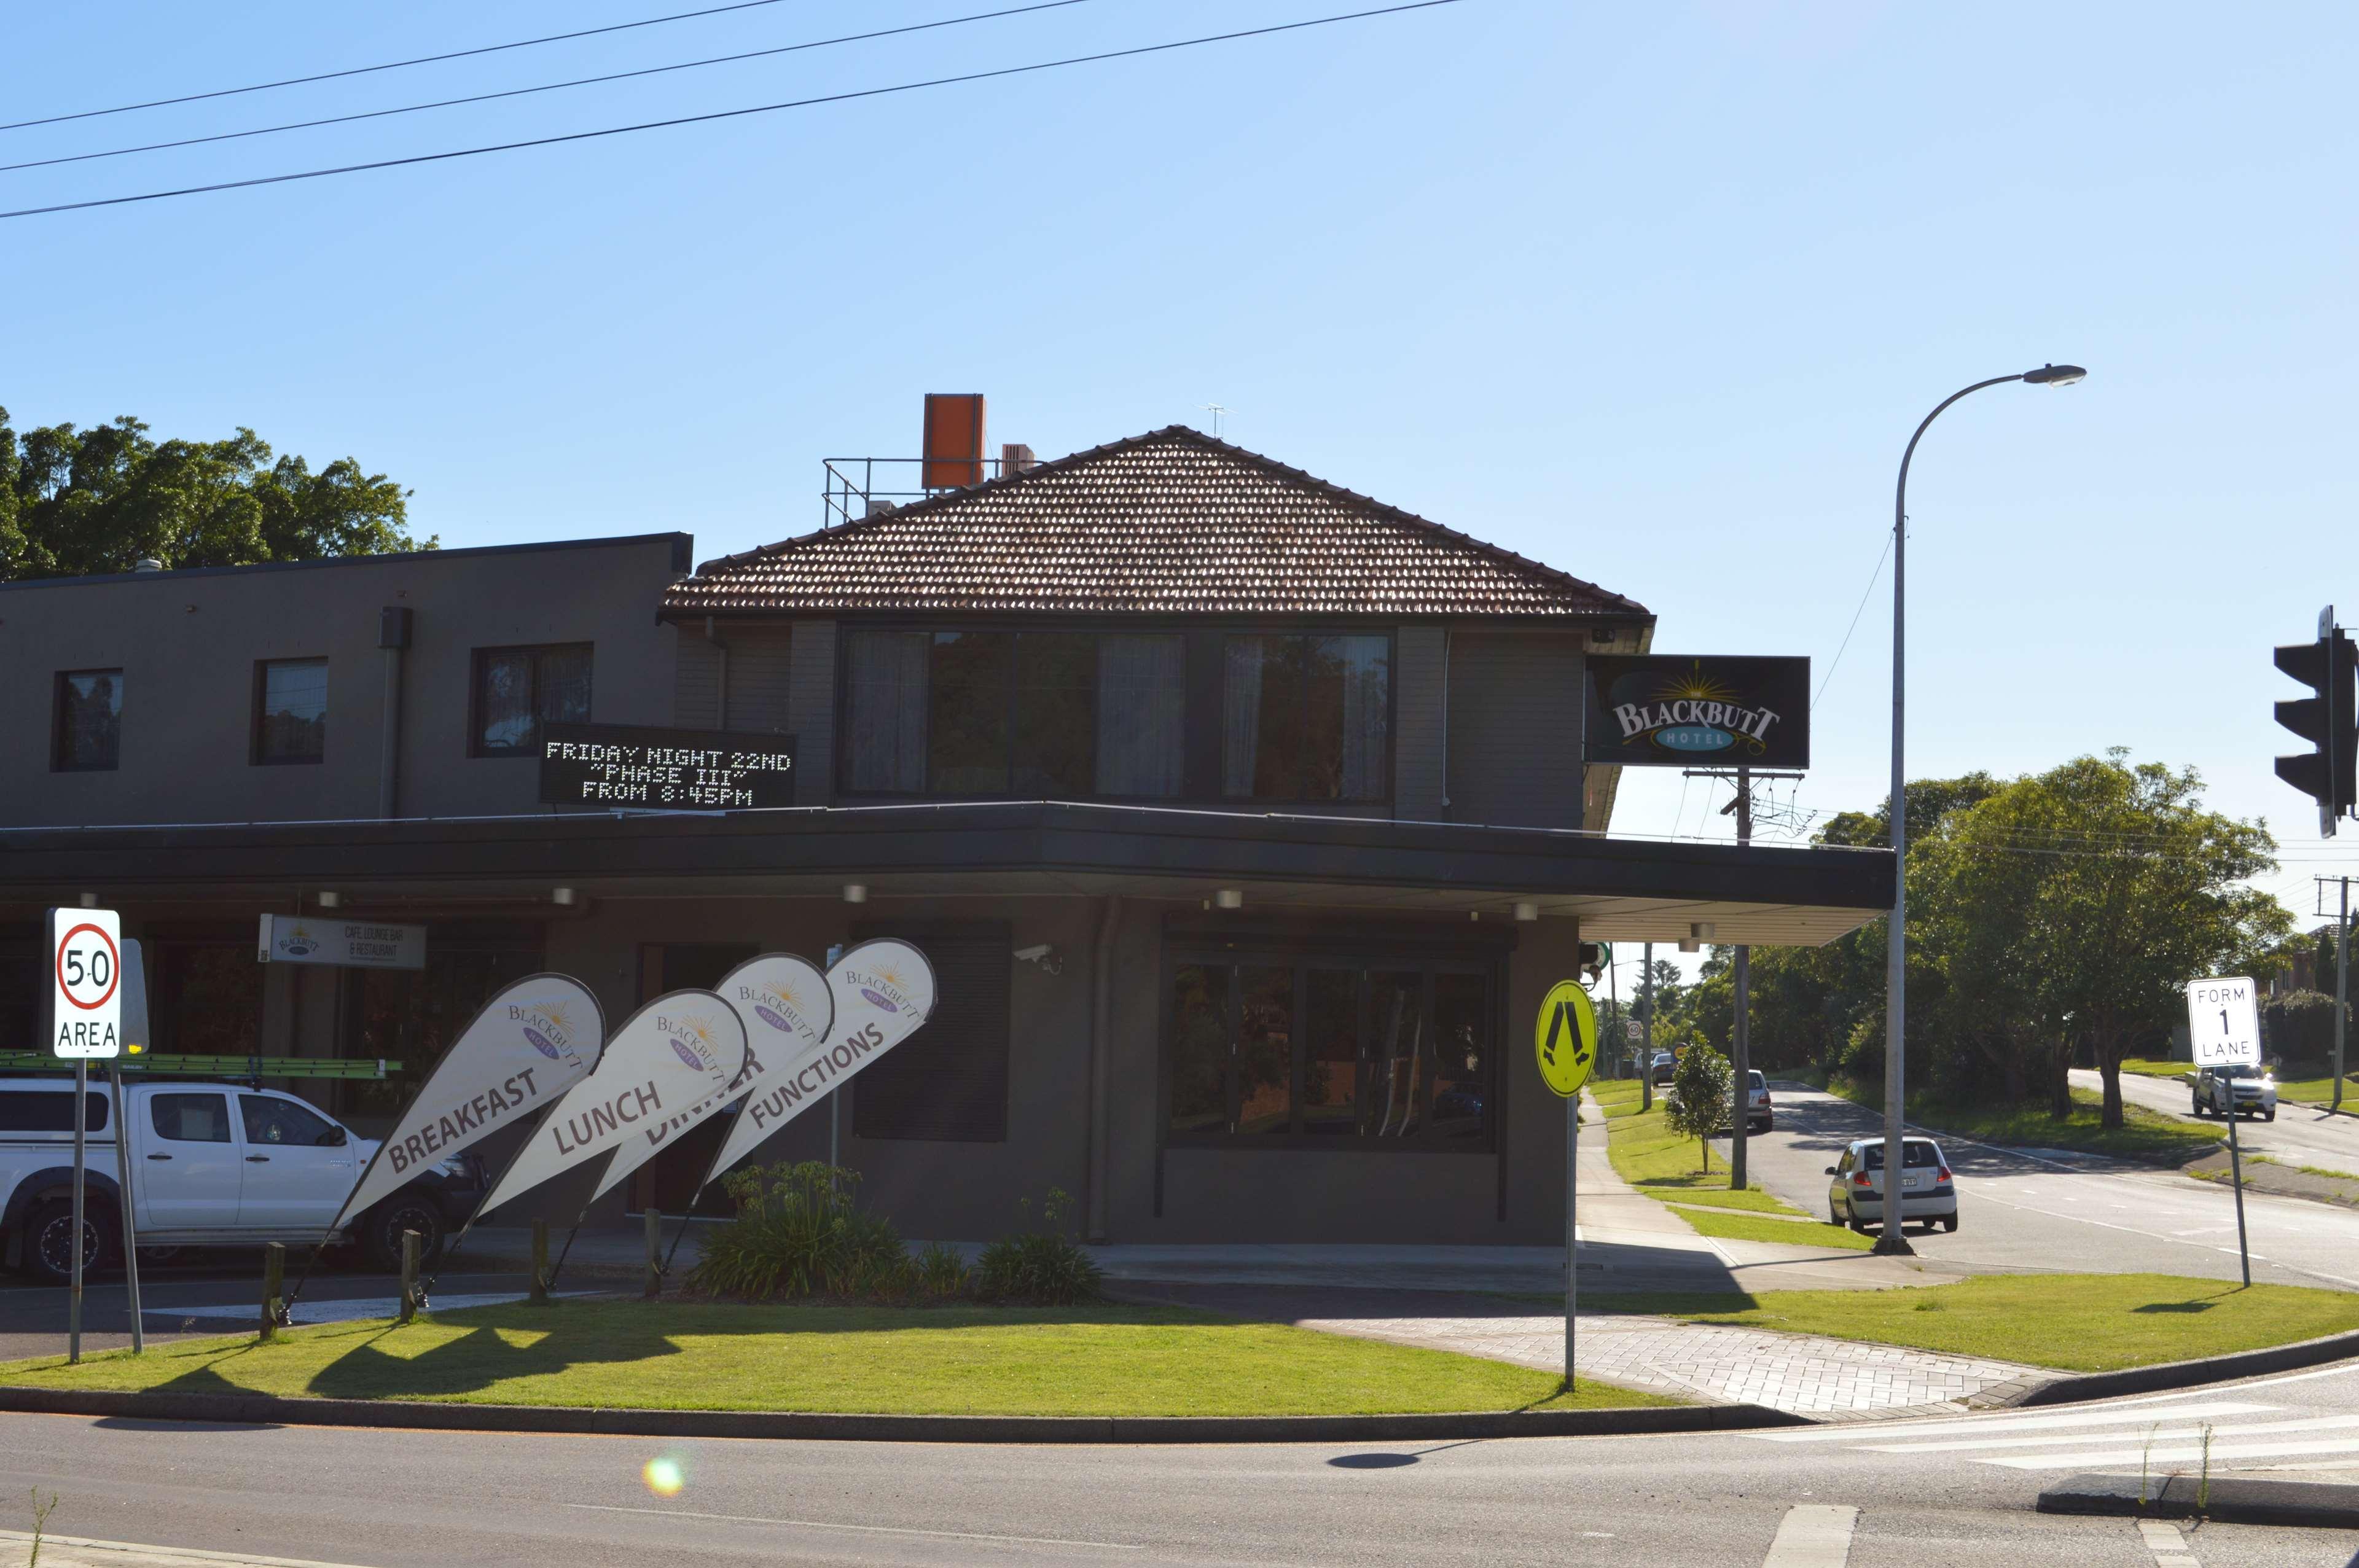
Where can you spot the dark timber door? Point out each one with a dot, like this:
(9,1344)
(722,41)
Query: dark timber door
(668,1180)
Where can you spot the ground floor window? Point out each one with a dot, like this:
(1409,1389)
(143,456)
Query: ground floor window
(1321,1052)
(412,1016)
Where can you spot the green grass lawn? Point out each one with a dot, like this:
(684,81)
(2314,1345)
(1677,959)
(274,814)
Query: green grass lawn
(2143,1135)
(2076,1323)
(1099,1360)
(1660,1163)
(1796,1232)
(2318,1091)
(2181,1070)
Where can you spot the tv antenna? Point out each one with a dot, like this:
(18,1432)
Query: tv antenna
(1216,410)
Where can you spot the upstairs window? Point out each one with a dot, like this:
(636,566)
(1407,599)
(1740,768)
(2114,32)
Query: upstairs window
(517,690)
(89,721)
(1307,717)
(1055,715)
(290,710)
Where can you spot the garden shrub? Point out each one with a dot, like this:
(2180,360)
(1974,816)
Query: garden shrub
(1043,1266)
(798,1234)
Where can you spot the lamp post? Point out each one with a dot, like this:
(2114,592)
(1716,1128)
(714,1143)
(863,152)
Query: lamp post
(1895,970)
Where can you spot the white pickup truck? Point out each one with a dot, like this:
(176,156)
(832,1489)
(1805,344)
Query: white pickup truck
(211,1165)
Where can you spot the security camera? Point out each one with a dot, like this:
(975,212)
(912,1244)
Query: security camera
(1046,954)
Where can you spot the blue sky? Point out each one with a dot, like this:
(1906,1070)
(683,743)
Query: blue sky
(1652,293)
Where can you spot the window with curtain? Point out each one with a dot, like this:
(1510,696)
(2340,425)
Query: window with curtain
(1330,1052)
(290,710)
(89,721)
(519,690)
(1305,717)
(1052,715)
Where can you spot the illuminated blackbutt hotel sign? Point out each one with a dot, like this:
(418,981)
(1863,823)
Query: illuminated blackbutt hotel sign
(640,768)
(1674,710)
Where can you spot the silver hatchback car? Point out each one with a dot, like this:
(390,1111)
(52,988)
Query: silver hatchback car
(1928,1195)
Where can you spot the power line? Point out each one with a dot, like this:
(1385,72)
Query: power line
(389,65)
(545,87)
(1873,577)
(729,113)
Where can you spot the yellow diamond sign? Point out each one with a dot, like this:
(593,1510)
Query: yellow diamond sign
(1566,1037)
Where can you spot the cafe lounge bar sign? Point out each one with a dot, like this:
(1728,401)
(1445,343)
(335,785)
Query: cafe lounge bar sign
(641,768)
(1674,710)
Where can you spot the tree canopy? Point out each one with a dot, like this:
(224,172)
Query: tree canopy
(81,501)
(2049,915)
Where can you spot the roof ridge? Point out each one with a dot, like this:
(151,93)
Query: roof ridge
(1538,575)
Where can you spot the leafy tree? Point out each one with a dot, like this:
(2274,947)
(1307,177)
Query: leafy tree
(1700,1098)
(2127,888)
(75,501)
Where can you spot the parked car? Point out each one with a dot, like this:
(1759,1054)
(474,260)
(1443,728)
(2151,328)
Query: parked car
(1757,1102)
(212,1165)
(2240,1090)
(1665,1068)
(1855,1197)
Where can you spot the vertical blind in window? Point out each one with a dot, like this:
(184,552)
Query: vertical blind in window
(1305,717)
(519,690)
(1054,715)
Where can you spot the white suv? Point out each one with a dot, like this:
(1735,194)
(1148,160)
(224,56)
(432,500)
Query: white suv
(211,1165)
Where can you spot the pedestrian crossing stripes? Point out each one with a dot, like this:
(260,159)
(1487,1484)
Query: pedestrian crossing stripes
(2161,1437)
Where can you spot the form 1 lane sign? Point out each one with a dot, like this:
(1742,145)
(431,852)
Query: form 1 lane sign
(85,1010)
(2223,1024)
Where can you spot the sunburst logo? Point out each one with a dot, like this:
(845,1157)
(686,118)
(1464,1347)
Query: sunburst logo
(701,1055)
(1693,711)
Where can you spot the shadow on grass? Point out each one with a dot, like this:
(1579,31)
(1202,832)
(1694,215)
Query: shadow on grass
(500,1344)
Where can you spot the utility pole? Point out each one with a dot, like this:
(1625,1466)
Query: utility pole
(2342,981)
(1647,1046)
(1741,1035)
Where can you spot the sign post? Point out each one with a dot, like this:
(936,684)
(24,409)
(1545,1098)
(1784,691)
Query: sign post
(2223,1026)
(84,1021)
(1565,1037)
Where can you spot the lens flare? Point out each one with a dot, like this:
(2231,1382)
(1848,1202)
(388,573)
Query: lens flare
(664,1477)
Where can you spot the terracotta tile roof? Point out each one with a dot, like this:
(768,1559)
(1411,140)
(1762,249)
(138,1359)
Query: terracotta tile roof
(1170,521)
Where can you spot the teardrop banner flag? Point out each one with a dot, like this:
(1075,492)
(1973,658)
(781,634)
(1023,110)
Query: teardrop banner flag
(881,991)
(532,1042)
(677,1050)
(787,1010)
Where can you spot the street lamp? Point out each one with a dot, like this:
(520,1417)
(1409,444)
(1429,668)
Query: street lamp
(1895,971)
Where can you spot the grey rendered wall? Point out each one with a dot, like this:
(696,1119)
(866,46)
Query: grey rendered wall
(1515,728)
(188,644)
(810,710)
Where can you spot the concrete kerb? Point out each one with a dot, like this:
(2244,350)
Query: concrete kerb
(269,1410)
(2078,1388)
(2229,1499)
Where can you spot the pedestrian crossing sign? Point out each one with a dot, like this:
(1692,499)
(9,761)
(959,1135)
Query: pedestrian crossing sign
(1566,1037)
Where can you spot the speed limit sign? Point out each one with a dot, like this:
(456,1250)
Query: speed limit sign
(85,983)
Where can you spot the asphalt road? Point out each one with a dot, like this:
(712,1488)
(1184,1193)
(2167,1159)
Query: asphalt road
(2051,1210)
(1928,1495)
(2301,1135)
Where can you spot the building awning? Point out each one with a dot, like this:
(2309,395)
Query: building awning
(1621,888)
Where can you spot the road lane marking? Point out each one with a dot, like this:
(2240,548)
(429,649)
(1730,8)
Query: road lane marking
(2169,1548)
(2108,1415)
(2185,1454)
(862,1529)
(2161,1434)
(1812,1535)
(130,1554)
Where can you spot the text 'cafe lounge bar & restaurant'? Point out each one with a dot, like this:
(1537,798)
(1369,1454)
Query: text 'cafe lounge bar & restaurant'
(1244,819)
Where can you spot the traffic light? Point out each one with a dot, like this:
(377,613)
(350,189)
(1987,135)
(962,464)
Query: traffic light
(2329,772)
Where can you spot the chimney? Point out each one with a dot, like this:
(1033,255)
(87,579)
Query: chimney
(954,443)
(1016,457)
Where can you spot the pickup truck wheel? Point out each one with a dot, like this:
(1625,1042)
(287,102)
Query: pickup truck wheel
(2270,1114)
(381,1231)
(48,1248)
